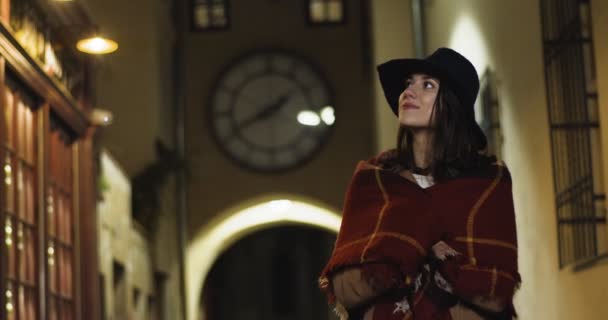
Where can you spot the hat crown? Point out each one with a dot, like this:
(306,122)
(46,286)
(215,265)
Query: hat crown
(453,70)
(458,71)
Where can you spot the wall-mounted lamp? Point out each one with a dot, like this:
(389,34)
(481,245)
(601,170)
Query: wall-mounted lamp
(94,44)
(97,45)
(101,117)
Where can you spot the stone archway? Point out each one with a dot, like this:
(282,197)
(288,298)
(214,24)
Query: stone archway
(241,220)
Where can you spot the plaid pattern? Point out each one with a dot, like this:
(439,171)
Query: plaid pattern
(389,220)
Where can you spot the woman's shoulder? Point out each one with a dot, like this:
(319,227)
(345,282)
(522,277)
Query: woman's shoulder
(489,168)
(383,157)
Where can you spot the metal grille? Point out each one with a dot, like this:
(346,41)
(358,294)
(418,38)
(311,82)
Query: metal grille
(490,117)
(573,117)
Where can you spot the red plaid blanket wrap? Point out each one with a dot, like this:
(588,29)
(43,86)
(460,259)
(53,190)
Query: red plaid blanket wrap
(390,224)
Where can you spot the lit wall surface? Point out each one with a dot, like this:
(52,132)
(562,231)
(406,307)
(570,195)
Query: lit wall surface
(487,33)
(392,39)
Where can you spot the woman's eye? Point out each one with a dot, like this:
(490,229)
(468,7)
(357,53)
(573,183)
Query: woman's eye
(429,85)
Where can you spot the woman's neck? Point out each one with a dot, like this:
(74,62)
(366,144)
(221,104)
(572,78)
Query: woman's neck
(422,148)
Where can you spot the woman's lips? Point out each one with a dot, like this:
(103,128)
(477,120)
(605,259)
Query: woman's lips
(408,105)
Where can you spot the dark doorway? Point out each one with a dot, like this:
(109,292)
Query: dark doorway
(271,274)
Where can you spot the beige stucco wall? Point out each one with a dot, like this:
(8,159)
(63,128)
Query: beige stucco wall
(392,39)
(120,242)
(134,83)
(487,33)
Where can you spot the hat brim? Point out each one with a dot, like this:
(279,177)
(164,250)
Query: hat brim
(393,74)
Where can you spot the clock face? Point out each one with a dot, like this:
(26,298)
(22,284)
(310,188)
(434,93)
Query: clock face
(271,111)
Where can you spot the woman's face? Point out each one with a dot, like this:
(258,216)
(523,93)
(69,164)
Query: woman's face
(416,102)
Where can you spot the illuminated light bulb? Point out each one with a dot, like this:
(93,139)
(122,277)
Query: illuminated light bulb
(97,45)
(327,115)
(309,118)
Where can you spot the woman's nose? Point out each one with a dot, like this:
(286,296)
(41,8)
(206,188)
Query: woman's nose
(409,91)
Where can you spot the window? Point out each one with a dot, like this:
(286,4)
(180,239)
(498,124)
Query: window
(574,124)
(209,15)
(19,205)
(59,230)
(489,112)
(325,11)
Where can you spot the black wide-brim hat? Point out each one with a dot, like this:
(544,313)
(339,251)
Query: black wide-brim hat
(450,67)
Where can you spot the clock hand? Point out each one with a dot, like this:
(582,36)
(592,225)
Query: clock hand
(266,112)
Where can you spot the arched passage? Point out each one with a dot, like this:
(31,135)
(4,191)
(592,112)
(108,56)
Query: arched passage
(241,220)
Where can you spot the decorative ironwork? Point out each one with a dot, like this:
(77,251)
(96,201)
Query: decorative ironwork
(489,110)
(574,126)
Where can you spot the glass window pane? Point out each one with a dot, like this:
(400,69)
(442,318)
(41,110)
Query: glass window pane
(30,136)
(52,267)
(590,76)
(218,16)
(335,11)
(317,11)
(50,211)
(68,223)
(59,258)
(21,298)
(9,114)
(201,16)
(596,161)
(10,305)
(30,303)
(20,129)
(9,183)
(60,216)
(22,254)
(30,247)
(9,242)
(21,207)
(30,199)
(585,18)
(68,274)
(59,221)
(52,309)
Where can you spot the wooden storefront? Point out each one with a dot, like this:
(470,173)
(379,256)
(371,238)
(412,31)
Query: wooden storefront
(48,255)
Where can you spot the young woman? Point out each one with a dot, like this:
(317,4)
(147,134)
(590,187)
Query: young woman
(428,229)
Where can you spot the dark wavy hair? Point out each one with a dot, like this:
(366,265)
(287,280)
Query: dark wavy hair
(458,144)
